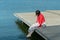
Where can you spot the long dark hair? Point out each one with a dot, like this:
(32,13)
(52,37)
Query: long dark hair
(37,12)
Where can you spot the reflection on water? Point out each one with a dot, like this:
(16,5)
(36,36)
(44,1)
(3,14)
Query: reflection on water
(25,27)
(13,38)
(8,28)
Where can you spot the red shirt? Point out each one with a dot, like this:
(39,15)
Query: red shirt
(40,19)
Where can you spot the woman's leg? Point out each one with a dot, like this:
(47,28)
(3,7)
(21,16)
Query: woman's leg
(44,25)
(32,28)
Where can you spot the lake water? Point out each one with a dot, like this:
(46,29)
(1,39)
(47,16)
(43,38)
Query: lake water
(8,28)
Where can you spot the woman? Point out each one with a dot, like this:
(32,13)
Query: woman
(39,23)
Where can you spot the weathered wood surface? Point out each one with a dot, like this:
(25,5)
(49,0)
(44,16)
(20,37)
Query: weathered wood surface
(52,31)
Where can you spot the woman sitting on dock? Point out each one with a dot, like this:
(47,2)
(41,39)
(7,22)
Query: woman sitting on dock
(40,22)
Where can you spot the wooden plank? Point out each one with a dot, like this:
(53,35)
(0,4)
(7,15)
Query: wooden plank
(52,21)
(28,19)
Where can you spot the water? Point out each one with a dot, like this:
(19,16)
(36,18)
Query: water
(8,28)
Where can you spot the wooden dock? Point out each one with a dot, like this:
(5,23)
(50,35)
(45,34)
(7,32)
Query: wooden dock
(52,31)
